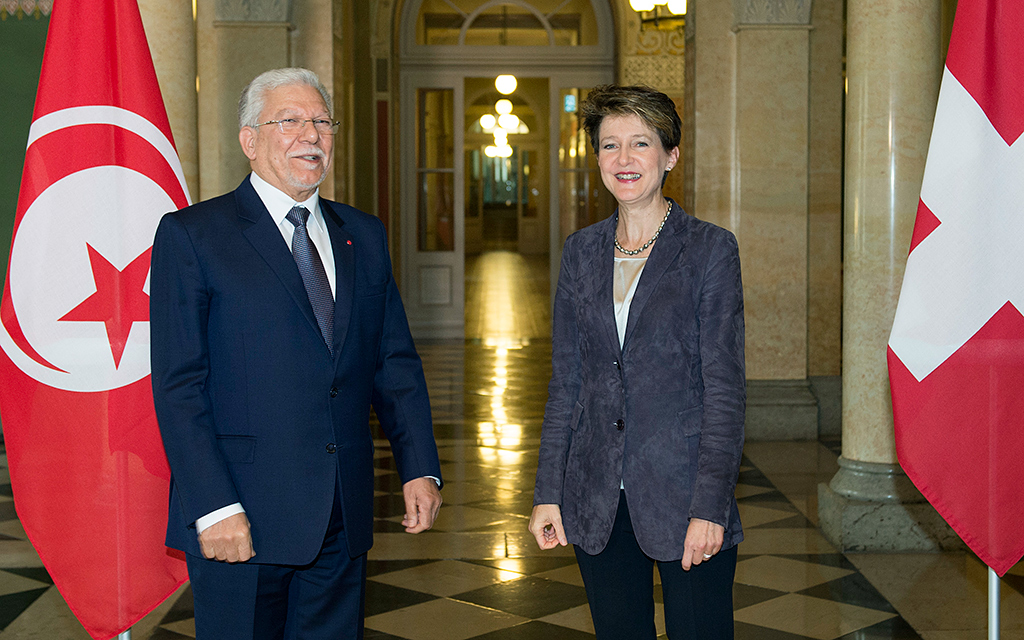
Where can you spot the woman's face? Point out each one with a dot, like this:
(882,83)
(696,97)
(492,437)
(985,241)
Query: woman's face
(632,160)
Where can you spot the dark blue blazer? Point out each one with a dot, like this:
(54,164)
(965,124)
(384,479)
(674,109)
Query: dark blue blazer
(251,405)
(663,414)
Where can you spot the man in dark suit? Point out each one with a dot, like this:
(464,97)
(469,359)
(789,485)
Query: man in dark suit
(276,323)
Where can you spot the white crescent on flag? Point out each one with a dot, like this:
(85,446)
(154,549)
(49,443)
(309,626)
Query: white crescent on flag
(87,464)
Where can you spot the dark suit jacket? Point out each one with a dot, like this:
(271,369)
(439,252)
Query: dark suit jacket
(251,405)
(677,385)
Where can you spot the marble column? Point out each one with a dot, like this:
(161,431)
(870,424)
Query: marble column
(893,69)
(171,32)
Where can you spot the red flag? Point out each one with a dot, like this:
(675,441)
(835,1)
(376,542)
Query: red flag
(87,465)
(956,352)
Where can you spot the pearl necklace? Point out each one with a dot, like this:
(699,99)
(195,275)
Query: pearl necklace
(649,242)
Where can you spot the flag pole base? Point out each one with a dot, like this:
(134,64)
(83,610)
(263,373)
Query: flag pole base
(871,506)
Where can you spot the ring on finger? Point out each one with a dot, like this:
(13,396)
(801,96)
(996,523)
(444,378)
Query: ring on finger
(707,555)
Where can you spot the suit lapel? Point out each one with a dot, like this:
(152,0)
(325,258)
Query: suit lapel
(261,232)
(663,254)
(344,269)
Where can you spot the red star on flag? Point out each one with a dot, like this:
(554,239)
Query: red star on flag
(119,301)
(100,165)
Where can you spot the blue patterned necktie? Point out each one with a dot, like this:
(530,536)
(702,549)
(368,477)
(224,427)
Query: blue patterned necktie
(313,275)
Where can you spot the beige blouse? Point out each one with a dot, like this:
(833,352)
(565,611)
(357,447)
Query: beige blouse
(627,275)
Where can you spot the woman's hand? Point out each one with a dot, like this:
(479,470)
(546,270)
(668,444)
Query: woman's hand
(546,526)
(703,540)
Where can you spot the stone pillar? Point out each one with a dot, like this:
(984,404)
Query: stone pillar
(312,47)
(236,40)
(893,69)
(171,32)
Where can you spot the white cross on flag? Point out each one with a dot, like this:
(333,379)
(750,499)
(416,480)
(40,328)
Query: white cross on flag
(956,352)
(87,464)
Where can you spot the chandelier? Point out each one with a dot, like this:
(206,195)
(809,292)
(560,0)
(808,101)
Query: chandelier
(661,14)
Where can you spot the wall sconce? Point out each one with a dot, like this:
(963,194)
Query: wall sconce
(664,15)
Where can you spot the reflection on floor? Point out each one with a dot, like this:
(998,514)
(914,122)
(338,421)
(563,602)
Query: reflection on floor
(479,575)
(507,296)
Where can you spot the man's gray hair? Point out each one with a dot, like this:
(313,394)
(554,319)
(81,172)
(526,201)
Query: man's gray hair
(253,98)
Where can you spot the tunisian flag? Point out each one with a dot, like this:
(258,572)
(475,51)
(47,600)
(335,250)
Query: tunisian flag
(87,464)
(956,352)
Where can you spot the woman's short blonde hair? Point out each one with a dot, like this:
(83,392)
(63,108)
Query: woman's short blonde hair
(653,107)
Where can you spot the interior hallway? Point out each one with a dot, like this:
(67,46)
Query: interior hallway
(478,574)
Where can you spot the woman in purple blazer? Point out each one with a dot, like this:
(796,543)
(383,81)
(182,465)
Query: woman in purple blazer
(643,429)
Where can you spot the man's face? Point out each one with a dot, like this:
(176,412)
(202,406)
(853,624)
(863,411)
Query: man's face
(295,164)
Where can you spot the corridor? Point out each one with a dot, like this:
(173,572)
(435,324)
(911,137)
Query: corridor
(479,575)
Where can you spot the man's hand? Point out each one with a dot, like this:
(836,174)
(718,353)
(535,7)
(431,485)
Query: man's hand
(422,502)
(703,540)
(546,526)
(228,540)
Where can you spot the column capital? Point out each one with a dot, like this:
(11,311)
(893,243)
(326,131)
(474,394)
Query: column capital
(272,11)
(771,13)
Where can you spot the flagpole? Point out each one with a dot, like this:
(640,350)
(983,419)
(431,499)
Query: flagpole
(993,604)
(127,635)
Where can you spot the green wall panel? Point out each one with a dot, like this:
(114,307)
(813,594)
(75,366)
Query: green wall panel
(21,50)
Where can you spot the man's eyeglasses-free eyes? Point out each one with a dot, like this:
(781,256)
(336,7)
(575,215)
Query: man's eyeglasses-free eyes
(294,126)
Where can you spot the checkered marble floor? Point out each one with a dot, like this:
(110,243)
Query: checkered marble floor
(479,575)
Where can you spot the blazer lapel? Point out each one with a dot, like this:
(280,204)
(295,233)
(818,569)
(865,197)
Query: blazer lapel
(663,254)
(599,261)
(266,238)
(344,269)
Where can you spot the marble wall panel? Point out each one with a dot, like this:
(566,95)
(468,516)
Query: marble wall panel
(230,56)
(771,193)
(713,84)
(824,198)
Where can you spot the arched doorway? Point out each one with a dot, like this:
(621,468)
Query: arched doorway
(454,197)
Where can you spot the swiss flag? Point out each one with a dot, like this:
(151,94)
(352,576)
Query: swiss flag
(87,464)
(956,352)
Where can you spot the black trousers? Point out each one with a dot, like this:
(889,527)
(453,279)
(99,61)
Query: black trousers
(620,589)
(247,601)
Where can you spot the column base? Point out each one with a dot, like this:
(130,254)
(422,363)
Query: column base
(874,507)
(781,410)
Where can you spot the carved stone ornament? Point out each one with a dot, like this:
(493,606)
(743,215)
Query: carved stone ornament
(665,72)
(651,42)
(23,8)
(275,11)
(772,12)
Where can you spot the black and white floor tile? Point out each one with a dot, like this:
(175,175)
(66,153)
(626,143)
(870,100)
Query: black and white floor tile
(479,575)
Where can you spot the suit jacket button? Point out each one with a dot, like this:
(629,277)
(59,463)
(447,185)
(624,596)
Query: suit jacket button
(620,424)
(334,392)
(617,365)
(331,447)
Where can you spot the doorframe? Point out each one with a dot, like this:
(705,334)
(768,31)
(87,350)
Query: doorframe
(448,66)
